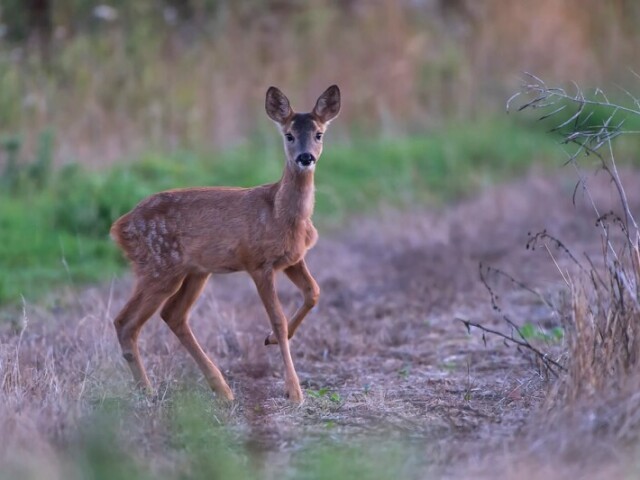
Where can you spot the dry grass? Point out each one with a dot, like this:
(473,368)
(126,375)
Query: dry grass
(382,357)
(598,398)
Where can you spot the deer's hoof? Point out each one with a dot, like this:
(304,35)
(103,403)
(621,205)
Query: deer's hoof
(270,340)
(295,396)
(224,394)
(145,389)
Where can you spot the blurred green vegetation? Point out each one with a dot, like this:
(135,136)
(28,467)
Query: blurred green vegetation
(204,448)
(54,223)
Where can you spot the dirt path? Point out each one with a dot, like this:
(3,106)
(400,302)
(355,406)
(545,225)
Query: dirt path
(382,356)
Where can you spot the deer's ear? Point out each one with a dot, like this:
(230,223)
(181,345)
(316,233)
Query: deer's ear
(328,105)
(277,106)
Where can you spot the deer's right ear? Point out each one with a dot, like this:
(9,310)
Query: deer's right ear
(277,106)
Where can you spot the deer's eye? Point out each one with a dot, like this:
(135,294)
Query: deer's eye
(319,136)
(289,137)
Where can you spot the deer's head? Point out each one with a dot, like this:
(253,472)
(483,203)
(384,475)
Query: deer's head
(303,132)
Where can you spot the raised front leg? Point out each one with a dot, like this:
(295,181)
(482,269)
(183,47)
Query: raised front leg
(301,278)
(265,283)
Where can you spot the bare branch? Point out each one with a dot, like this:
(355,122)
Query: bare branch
(549,363)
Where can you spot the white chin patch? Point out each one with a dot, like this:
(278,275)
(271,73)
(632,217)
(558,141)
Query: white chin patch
(311,167)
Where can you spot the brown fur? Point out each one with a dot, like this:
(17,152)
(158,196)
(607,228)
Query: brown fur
(176,239)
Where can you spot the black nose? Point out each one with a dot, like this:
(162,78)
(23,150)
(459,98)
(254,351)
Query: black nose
(305,159)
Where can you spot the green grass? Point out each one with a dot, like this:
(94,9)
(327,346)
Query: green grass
(56,234)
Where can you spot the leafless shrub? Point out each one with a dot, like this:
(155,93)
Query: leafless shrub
(602,322)
(603,334)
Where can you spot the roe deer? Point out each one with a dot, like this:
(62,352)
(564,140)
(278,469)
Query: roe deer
(176,239)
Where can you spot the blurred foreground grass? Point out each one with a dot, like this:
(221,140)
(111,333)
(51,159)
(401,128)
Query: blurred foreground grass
(54,226)
(108,446)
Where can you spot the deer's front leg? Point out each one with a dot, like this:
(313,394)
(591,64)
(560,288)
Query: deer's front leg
(301,278)
(265,283)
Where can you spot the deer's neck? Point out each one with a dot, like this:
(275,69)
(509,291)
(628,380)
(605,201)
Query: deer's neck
(295,196)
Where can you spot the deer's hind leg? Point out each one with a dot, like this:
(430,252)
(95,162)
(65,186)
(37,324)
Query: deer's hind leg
(176,315)
(145,300)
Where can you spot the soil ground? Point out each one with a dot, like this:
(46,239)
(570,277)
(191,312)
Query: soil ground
(382,357)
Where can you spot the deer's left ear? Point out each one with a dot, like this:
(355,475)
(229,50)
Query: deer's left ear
(328,105)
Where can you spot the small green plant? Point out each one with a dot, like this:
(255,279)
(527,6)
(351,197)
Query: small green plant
(325,393)
(404,371)
(534,332)
(321,392)
(335,397)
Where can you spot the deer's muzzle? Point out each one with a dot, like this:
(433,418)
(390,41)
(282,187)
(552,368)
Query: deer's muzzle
(305,159)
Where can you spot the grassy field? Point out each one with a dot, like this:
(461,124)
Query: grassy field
(54,229)
(424,183)
(395,387)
